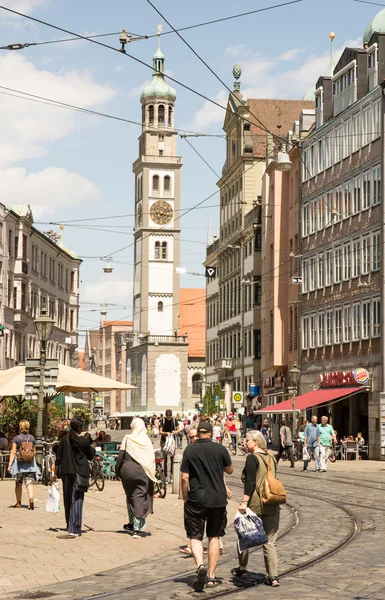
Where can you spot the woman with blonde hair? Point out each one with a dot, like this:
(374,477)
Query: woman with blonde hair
(136,468)
(253,477)
(22,463)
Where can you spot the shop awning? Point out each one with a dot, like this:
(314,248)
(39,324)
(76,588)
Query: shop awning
(314,398)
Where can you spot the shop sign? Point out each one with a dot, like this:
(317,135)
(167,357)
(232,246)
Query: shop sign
(344,378)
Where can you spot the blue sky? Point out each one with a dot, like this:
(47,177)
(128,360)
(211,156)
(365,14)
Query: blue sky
(71,166)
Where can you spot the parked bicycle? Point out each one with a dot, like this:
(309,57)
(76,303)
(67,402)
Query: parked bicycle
(48,463)
(97,474)
(160,486)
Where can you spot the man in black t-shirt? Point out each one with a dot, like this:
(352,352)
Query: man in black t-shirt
(204,493)
(168,426)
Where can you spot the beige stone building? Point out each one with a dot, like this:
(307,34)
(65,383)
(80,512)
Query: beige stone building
(35,269)
(234,297)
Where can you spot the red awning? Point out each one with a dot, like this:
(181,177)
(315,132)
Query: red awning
(314,398)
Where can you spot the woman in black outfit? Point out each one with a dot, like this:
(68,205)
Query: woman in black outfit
(72,459)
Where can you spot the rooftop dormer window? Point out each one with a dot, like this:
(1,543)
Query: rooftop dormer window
(345,87)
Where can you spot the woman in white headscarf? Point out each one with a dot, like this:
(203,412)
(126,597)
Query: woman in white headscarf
(135,466)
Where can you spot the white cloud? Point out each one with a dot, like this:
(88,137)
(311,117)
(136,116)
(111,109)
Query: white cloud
(27,126)
(46,190)
(136,91)
(209,114)
(119,68)
(113,291)
(24,6)
(238,50)
(291,54)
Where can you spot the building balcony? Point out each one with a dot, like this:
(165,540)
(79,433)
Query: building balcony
(20,320)
(166,339)
(224,364)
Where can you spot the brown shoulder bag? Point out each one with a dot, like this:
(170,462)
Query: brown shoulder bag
(273,491)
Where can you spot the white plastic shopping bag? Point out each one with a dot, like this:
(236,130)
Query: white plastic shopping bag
(53,505)
(305,453)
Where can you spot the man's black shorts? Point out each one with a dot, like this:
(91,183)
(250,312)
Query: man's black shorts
(196,517)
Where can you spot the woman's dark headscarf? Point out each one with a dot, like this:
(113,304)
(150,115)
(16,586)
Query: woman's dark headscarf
(76,427)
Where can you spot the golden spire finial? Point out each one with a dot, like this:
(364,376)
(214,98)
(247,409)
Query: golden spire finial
(61,227)
(332,35)
(160,28)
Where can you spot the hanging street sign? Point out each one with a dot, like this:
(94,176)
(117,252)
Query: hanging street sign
(296,280)
(211,272)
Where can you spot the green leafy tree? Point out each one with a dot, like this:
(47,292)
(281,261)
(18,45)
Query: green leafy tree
(13,410)
(82,413)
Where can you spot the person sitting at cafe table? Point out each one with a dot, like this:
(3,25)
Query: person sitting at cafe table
(359,439)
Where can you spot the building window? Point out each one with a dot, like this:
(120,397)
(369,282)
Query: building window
(338,205)
(170,116)
(366,126)
(155,183)
(257,290)
(321,329)
(157,251)
(313,216)
(23,296)
(313,330)
(347,323)
(366,319)
(305,220)
(376,185)
(329,268)
(151,114)
(347,271)
(376,249)
(312,273)
(257,344)
(338,265)
(164,250)
(167,183)
(305,335)
(356,322)
(366,190)
(329,328)
(320,274)
(305,276)
(356,258)
(196,384)
(365,255)
(161,114)
(347,200)
(160,306)
(356,132)
(357,195)
(337,325)
(376,317)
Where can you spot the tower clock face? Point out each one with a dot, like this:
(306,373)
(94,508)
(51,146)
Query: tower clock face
(161,212)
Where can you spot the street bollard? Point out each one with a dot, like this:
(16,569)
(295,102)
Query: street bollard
(176,474)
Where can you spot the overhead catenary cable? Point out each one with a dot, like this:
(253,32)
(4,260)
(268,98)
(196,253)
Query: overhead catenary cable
(138,60)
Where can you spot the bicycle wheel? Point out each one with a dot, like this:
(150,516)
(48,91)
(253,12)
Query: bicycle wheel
(44,471)
(242,449)
(160,486)
(99,481)
(232,448)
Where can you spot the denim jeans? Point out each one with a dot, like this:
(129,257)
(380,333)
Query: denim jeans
(313,450)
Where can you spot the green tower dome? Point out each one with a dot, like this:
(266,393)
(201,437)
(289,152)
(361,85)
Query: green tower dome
(310,94)
(158,86)
(377,25)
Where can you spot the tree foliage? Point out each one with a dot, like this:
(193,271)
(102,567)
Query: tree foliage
(13,410)
(82,413)
(209,406)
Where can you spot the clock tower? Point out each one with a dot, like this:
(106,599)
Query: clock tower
(157,211)
(157,356)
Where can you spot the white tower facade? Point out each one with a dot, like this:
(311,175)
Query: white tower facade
(157,211)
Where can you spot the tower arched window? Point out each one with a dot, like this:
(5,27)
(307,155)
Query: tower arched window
(160,306)
(170,116)
(157,251)
(167,183)
(196,384)
(151,114)
(161,114)
(164,250)
(155,183)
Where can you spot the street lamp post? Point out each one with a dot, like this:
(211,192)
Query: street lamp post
(295,375)
(44,326)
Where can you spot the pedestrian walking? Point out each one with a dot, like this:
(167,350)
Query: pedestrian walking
(286,444)
(73,455)
(312,443)
(265,430)
(253,477)
(168,426)
(135,467)
(326,434)
(22,463)
(204,494)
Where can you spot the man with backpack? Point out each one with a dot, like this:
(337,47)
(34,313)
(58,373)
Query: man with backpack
(286,444)
(169,426)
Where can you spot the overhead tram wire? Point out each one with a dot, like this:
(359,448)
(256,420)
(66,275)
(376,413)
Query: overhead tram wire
(148,37)
(232,93)
(138,60)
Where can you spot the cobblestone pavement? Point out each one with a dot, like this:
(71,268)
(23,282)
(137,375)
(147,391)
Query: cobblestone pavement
(104,561)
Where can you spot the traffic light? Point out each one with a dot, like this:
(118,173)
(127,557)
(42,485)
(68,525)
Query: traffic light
(1,330)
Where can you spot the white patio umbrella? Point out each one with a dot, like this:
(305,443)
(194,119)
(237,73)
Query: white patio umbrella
(12,381)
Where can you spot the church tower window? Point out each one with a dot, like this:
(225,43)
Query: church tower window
(167,183)
(151,114)
(160,306)
(164,250)
(155,183)
(161,114)
(157,251)
(170,116)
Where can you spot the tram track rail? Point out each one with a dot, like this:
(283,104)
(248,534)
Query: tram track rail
(354,531)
